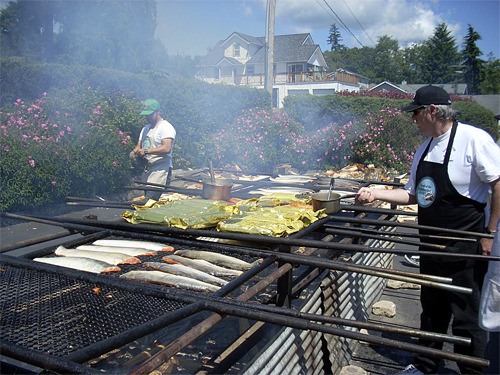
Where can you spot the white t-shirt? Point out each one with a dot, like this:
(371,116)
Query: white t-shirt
(474,161)
(152,137)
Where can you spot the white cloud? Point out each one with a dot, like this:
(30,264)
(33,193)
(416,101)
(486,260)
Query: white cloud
(407,21)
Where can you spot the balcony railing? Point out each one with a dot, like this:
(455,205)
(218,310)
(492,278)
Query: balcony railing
(258,79)
(283,78)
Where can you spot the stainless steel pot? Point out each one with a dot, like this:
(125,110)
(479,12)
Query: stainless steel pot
(218,189)
(331,205)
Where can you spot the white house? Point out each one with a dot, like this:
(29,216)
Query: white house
(299,66)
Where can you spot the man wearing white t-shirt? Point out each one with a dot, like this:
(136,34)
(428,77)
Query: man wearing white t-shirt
(155,144)
(453,173)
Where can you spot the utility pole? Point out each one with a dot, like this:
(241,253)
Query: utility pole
(269,61)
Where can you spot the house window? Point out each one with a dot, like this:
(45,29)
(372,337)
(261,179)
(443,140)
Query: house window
(296,68)
(250,70)
(236,50)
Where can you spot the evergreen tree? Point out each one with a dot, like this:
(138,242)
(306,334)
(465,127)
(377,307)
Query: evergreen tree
(440,57)
(334,39)
(471,63)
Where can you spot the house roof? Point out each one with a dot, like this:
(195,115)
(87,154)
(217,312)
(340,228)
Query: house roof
(287,48)
(450,88)
(247,38)
(492,102)
(387,86)
(228,61)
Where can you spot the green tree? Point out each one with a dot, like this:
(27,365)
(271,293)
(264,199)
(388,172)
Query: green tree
(27,29)
(388,60)
(8,22)
(334,39)
(490,83)
(412,64)
(112,34)
(471,63)
(115,34)
(440,57)
(353,59)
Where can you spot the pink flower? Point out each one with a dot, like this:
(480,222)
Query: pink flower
(32,163)
(97,111)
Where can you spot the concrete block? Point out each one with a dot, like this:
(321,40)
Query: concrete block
(396,284)
(352,370)
(384,308)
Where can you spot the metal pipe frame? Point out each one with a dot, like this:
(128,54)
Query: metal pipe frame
(413,226)
(241,311)
(94,226)
(401,234)
(382,236)
(374,210)
(299,259)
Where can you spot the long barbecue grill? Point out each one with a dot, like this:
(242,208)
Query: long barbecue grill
(308,296)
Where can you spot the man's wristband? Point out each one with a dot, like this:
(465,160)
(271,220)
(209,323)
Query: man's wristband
(490,231)
(146,151)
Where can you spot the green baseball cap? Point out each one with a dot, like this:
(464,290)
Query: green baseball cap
(149,106)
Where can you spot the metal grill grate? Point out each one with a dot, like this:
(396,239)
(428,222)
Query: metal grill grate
(58,315)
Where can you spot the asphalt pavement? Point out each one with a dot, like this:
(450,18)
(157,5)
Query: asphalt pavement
(386,360)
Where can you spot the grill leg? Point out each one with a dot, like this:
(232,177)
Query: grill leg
(284,283)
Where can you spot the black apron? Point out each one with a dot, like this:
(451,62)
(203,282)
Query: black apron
(441,205)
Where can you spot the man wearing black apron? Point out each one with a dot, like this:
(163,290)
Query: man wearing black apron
(440,205)
(456,157)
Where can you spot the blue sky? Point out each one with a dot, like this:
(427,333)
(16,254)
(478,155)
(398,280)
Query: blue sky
(190,27)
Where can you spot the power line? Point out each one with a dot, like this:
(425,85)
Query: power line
(342,22)
(362,28)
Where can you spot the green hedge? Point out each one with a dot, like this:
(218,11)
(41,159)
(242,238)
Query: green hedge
(67,130)
(315,112)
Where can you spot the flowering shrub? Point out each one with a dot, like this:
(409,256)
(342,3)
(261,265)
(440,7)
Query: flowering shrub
(387,139)
(48,152)
(259,140)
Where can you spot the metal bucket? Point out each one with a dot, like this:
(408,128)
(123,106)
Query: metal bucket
(219,189)
(332,206)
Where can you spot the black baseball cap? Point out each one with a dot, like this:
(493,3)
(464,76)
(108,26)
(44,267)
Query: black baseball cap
(428,95)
